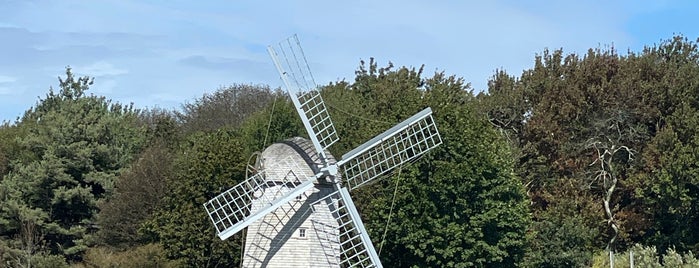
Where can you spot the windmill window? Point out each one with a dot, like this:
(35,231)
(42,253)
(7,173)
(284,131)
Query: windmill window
(302,232)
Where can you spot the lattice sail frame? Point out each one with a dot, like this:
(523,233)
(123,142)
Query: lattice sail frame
(293,68)
(231,211)
(379,156)
(356,249)
(314,109)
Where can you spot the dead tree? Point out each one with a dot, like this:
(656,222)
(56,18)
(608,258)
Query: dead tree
(607,174)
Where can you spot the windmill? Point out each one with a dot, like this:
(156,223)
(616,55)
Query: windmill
(297,208)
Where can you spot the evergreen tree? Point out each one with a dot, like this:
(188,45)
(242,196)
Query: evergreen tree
(75,146)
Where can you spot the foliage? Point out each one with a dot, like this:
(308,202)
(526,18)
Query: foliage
(278,121)
(460,207)
(10,148)
(207,165)
(577,154)
(139,192)
(642,102)
(561,235)
(647,256)
(148,255)
(228,106)
(41,260)
(161,126)
(74,146)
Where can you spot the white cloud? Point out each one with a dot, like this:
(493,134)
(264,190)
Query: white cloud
(7,79)
(100,68)
(165,97)
(168,53)
(103,87)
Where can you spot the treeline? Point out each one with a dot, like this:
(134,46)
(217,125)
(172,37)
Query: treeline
(606,146)
(576,157)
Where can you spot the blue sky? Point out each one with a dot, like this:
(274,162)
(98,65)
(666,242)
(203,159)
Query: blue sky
(165,53)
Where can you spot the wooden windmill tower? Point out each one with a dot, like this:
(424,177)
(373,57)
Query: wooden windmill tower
(297,208)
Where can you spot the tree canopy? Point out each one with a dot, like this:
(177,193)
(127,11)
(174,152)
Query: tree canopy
(72,148)
(577,157)
(568,110)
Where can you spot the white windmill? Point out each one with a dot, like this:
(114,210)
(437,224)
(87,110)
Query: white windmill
(297,208)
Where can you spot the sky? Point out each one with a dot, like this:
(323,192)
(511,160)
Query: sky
(166,53)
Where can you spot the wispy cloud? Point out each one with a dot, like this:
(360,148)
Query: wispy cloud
(7,79)
(216,63)
(101,68)
(163,54)
(5,82)
(105,87)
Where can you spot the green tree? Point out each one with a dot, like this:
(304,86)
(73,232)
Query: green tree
(668,187)
(562,236)
(207,165)
(75,145)
(149,255)
(140,190)
(276,122)
(228,106)
(139,193)
(462,206)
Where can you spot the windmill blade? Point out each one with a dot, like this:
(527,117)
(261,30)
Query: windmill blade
(402,143)
(293,68)
(241,205)
(356,249)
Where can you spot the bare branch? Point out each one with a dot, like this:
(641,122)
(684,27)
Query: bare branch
(607,174)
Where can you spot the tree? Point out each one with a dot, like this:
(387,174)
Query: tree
(10,147)
(276,122)
(566,107)
(139,192)
(609,174)
(207,164)
(563,235)
(228,106)
(462,204)
(668,186)
(75,145)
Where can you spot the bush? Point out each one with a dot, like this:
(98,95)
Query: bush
(646,257)
(49,261)
(150,255)
(674,259)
